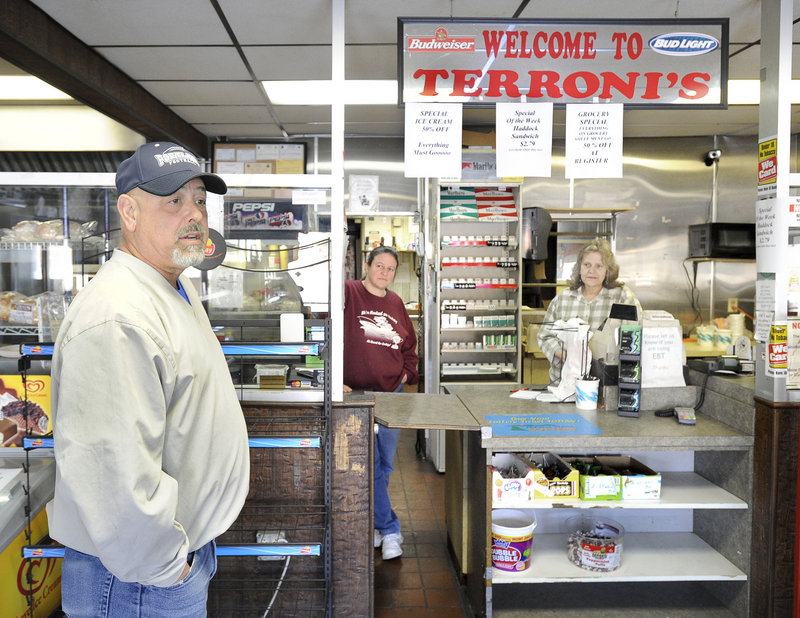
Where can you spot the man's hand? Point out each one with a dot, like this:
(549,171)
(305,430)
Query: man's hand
(186,569)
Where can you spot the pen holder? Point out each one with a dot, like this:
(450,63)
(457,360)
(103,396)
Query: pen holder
(586,392)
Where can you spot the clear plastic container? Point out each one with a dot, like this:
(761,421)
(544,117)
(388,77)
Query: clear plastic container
(594,543)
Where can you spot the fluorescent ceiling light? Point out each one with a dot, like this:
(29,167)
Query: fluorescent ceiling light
(744,91)
(748,91)
(28,88)
(320,92)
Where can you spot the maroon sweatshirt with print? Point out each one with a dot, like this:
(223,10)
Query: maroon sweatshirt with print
(379,340)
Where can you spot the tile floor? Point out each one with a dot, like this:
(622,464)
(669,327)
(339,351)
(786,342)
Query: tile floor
(423,581)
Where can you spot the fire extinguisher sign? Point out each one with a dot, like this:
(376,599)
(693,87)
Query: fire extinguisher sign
(778,351)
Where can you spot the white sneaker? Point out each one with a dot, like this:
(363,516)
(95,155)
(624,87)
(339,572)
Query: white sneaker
(391,546)
(377,538)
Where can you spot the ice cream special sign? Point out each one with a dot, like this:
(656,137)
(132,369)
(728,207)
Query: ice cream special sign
(641,63)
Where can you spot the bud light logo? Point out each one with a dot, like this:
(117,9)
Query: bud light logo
(683,44)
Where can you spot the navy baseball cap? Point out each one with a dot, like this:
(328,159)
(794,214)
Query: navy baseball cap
(161,168)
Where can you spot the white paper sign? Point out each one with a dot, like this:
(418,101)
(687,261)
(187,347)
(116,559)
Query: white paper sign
(663,356)
(364,193)
(266,152)
(767,221)
(433,140)
(593,141)
(793,374)
(316,197)
(524,139)
(215,207)
(227,289)
(765,305)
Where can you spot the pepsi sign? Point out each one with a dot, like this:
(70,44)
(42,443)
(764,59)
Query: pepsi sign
(683,44)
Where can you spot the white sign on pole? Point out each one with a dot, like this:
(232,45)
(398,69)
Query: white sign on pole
(765,305)
(524,139)
(433,140)
(593,141)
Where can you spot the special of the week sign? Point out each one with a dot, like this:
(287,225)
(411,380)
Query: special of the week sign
(641,63)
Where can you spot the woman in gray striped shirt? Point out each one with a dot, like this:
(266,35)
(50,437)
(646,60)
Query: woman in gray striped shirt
(592,290)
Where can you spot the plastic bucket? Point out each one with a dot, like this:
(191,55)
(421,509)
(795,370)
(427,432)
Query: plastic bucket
(594,543)
(512,539)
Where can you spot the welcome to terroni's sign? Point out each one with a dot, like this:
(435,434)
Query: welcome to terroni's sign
(641,63)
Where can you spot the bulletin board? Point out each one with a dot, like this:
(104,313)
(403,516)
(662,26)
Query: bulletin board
(259,158)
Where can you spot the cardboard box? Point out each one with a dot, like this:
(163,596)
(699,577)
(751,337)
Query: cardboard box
(638,481)
(606,485)
(511,490)
(564,484)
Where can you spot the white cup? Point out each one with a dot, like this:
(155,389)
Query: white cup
(705,336)
(586,394)
(724,337)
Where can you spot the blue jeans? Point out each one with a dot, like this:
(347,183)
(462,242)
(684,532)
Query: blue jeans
(386,439)
(89,590)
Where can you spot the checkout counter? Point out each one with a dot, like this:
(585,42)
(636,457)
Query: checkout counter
(690,549)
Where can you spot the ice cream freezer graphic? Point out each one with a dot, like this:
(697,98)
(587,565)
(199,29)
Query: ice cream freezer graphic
(24,408)
(36,580)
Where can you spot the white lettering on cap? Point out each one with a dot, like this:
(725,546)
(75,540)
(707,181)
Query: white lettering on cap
(175,155)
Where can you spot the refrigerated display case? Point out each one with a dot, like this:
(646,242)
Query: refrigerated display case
(44,232)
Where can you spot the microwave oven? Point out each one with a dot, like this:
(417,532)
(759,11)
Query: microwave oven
(722,240)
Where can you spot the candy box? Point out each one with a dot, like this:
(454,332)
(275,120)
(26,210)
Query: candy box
(553,477)
(598,481)
(512,481)
(638,481)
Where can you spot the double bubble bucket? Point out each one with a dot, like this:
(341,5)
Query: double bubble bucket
(512,539)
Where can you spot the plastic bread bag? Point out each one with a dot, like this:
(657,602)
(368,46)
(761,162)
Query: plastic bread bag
(575,335)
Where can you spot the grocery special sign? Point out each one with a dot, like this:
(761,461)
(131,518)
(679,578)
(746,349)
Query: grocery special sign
(641,63)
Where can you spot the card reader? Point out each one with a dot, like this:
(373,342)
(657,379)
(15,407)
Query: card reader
(685,416)
(714,364)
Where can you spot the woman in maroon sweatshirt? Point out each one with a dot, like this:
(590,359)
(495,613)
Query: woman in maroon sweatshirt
(380,354)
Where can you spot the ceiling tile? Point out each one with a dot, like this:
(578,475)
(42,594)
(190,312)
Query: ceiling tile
(204,93)
(370,62)
(138,22)
(373,113)
(278,22)
(177,63)
(249,131)
(289,114)
(290,62)
(208,114)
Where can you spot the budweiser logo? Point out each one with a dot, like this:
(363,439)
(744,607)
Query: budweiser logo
(440,41)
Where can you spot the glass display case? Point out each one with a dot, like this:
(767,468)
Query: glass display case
(57,229)
(272,287)
(51,241)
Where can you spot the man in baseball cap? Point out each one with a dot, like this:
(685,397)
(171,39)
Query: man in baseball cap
(139,536)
